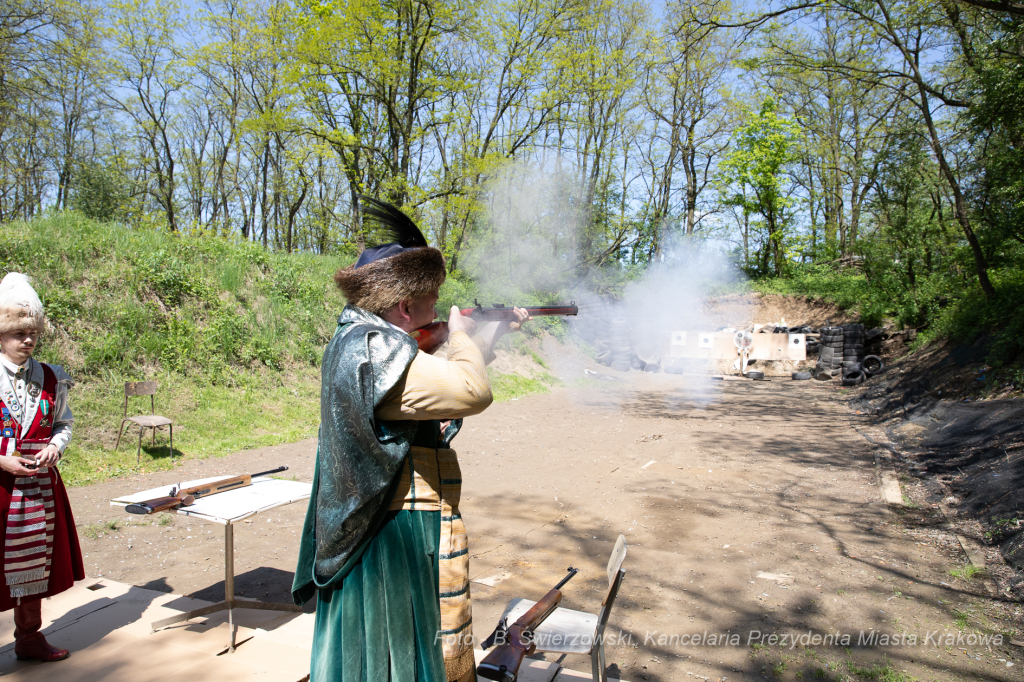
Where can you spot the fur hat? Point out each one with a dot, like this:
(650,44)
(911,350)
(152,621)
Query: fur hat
(20,307)
(405,268)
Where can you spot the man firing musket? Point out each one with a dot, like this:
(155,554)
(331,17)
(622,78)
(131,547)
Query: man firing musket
(384,549)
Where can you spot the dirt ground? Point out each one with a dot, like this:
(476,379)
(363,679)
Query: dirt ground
(750,509)
(960,455)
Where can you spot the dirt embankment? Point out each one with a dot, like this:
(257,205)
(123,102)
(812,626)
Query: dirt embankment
(967,455)
(746,310)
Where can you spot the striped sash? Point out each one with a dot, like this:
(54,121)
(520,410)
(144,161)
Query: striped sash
(431,480)
(29,540)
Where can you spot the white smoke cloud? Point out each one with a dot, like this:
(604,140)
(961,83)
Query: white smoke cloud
(526,247)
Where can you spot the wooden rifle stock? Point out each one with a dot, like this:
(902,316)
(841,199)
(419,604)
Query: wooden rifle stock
(517,642)
(187,496)
(430,338)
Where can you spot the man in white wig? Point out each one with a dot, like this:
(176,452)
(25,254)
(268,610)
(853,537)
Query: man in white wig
(41,553)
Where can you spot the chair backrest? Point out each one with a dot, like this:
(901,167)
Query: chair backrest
(616,559)
(615,576)
(136,388)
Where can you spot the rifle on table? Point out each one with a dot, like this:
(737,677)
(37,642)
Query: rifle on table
(430,338)
(187,496)
(516,642)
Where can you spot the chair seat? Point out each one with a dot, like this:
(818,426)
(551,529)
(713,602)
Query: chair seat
(564,632)
(148,421)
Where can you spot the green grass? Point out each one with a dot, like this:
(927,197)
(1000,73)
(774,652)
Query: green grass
(961,618)
(848,289)
(231,332)
(139,302)
(262,408)
(506,387)
(965,572)
(95,530)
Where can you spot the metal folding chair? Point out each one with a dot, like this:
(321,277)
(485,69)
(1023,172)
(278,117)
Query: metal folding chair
(575,632)
(152,420)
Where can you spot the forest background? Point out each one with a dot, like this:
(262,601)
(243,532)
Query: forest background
(182,180)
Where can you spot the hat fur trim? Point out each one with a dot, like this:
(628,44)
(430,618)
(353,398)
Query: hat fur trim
(20,307)
(379,286)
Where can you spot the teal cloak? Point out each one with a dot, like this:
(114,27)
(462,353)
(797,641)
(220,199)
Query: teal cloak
(374,572)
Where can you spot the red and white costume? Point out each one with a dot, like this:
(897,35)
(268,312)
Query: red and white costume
(41,552)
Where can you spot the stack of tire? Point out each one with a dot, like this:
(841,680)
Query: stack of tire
(618,344)
(853,354)
(830,353)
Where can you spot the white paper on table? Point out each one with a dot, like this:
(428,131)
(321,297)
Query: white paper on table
(233,505)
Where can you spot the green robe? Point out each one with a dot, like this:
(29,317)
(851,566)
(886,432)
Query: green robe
(374,572)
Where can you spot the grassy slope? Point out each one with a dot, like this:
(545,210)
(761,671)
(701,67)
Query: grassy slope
(232,333)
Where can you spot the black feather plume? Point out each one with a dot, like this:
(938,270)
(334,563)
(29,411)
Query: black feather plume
(396,225)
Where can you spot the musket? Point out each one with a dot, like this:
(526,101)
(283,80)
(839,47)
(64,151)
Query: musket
(430,338)
(187,496)
(517,642)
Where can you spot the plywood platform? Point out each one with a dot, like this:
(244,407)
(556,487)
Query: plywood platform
(106,625)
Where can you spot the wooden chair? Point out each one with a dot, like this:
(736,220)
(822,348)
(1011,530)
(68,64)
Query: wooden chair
(576,632)
(133,389)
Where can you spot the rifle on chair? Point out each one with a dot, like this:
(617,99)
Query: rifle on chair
(517,642)
(188,496)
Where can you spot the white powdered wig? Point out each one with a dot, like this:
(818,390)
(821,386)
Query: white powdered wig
(20,307)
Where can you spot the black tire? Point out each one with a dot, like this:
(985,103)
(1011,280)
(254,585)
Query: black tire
(619,350)
(604,358)
(853,377)
(620,366)
(853,346)
(801,376)
(754,375)
(872,364)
